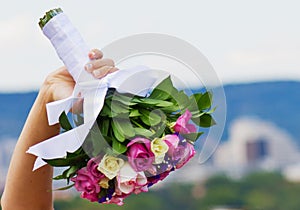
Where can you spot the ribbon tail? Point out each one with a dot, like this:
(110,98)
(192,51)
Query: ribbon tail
(38,163)
(54,109)
(58,146)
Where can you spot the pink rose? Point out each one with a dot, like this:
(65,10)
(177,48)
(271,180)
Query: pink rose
(187,154)
(129,181)
(182,124)
(92,166)
(139,154)
(86,183)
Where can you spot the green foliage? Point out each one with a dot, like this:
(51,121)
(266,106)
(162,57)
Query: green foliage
(50,14)
(125,116)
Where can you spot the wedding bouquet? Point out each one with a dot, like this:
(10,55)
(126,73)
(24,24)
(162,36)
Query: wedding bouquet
(135,140)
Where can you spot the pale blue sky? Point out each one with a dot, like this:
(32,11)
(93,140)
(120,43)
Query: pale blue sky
(244,40)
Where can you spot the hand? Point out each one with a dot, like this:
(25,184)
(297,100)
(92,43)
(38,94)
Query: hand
(60,84)
(98,65)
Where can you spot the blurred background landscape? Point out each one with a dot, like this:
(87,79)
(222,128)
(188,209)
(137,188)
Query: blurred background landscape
(253,46)
(255,166)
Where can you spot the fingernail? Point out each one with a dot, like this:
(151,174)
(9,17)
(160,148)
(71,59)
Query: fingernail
(88,67)
(97,73)
(92,55)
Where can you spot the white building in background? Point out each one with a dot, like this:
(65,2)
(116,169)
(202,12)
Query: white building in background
(255,144)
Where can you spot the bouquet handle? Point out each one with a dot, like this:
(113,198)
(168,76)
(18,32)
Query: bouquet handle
(68,43)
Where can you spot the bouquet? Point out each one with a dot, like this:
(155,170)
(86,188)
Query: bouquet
(135,141)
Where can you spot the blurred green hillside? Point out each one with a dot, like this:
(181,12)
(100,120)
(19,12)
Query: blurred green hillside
(261,191)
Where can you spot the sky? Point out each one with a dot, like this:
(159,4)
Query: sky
(245,41)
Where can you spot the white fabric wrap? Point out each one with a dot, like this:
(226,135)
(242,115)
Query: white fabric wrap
(73,52)
(69,46)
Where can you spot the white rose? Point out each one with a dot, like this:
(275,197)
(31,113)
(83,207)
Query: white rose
(110,166)
(159,148)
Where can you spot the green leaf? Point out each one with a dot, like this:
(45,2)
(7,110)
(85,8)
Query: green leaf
(64,188)
(68,173)
(124,126)
(181,99)
(122,98)
(156,117)
(64,122)
(106,111)
(117,131)
(206,121)
(196,96)
(104,126)
(192,136)
(58,162)
(193,106)
(170,109)
(211,111)
(196,115)
(156,102)
(59,177)
(163,90)
(134,113)
(205,101)
(159,131)
(118,147)
(150,118)
(68,161)
(118,107)
(98,141)
(71,171)
(143,132)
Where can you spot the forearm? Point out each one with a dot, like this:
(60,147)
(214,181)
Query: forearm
(24,188)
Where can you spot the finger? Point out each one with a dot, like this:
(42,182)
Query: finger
(103,71)
(99,63)
(95,54)
(103,62)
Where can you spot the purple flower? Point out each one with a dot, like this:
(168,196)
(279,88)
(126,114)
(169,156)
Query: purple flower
(154,179)
(86,183)
(182,124)
(176,148)
(139,154)
(172,140)
(180,151)
(187,153)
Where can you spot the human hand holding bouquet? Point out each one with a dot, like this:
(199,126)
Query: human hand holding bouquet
(135,140)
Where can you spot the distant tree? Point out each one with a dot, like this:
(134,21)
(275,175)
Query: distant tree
(259,191)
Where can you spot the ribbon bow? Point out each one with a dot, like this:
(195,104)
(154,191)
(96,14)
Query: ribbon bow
(138,81)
